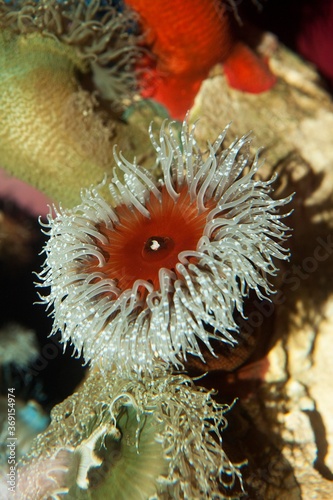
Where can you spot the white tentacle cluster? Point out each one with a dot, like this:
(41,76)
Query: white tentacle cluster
(240,241)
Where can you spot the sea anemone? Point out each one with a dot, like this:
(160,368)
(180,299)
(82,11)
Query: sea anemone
(67,69)
(98,38)
(172,262)
(156,437)
(18,345)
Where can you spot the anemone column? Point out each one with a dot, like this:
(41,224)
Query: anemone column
(66,69)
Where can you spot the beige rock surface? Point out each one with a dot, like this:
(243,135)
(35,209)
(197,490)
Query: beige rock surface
(294,404)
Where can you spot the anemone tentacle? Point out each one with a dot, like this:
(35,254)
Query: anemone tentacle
(140,282)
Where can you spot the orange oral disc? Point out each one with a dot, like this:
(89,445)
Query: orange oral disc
(138,246)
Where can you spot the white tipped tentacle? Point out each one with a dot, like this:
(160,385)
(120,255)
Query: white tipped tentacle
(240,239)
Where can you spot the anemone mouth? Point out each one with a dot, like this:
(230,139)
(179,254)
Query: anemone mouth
(137,247)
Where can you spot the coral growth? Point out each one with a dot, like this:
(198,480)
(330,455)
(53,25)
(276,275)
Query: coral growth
(141,282)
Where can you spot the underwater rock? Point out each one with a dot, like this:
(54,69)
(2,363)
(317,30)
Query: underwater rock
(293,404)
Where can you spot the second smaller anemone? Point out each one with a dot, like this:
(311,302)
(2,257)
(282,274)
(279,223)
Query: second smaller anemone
(140,282)
(130,439)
